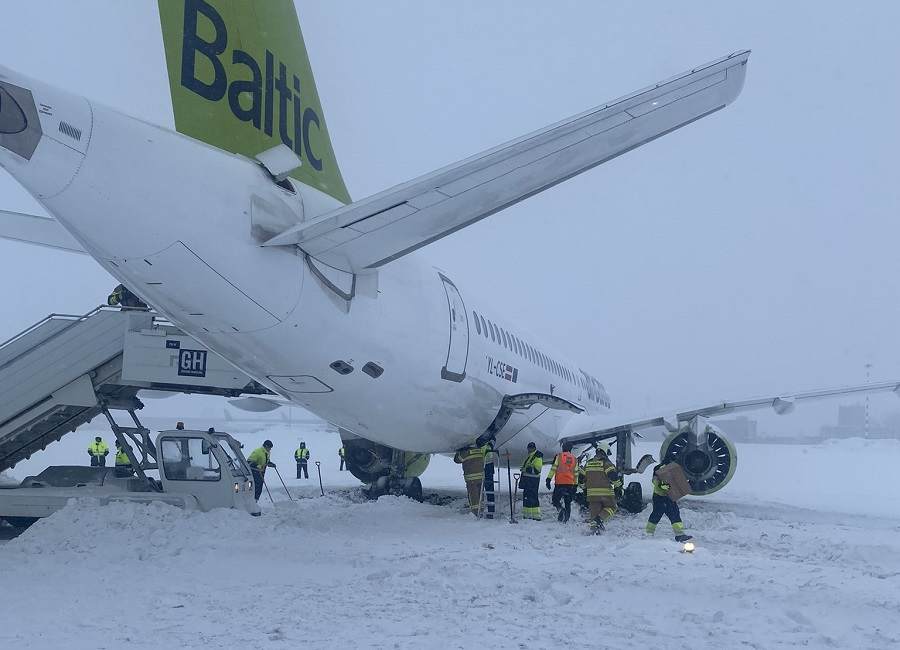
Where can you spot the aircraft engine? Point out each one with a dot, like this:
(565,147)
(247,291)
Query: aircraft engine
(708,462)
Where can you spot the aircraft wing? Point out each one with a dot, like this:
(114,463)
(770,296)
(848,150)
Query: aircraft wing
(42,231)
(781,404)
(374,231)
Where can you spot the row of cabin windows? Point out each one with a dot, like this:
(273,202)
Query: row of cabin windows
(511,342)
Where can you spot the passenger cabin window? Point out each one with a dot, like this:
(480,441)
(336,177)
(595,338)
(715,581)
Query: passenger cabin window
(477,324)
(484,327)
(491,327)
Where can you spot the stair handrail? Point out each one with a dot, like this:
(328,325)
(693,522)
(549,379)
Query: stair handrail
(75,320)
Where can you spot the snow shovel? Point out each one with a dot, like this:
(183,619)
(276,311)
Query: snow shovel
(319,470)
(516,476)
(512,503)
(283,483)
(269,493)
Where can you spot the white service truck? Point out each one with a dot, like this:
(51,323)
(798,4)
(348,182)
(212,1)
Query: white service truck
(198,470)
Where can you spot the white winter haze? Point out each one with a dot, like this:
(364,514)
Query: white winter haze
(751,252)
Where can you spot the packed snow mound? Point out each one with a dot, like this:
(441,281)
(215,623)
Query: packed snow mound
(145,532)
(6,479)
(122,530)
(338,571)
(787,555)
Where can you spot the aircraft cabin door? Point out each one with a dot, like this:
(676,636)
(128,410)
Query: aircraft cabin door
(458,350)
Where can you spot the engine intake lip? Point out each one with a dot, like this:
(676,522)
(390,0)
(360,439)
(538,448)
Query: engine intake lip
(707,470)
(20,126)
(12,117)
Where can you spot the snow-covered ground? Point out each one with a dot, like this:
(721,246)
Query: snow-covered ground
(801,549)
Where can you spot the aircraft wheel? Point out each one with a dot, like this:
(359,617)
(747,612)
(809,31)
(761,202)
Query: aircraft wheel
(379,488)
(632,498)
(413,489)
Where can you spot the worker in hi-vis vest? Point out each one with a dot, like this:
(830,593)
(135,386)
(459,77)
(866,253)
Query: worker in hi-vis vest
(98,451)
(600,478)
(302,458)
(564,470)
(259,459)
(123,462)
(530,480)
(472,461)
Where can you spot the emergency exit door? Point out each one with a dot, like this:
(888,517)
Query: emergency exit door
(458,348)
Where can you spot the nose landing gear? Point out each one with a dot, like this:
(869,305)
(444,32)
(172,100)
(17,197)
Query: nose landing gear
(407,487)
(385,470)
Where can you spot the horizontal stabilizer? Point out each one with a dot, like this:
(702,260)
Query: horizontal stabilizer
(41,231)
(381,228)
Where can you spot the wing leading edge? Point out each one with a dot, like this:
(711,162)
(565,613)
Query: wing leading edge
(374,231)
(781,404)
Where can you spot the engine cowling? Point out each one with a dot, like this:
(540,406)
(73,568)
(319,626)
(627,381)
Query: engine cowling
(708,467)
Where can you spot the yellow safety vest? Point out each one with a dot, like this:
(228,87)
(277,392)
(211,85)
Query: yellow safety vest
(472,460)
(98,448)
(533,464)
(259,458)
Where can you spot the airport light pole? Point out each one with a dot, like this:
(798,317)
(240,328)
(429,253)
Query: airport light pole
(866,433)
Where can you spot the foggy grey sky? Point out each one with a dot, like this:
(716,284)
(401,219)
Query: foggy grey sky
(752,252)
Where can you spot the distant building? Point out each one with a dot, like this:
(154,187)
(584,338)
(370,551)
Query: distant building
(739,429)
(852,416)
(852,424)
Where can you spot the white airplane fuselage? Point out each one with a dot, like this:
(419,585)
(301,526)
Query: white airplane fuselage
(170,217)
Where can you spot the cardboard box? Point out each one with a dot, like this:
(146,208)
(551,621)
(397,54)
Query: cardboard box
(674,476)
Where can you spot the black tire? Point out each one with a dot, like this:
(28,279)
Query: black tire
(413,489)
(633,498)
(378,488)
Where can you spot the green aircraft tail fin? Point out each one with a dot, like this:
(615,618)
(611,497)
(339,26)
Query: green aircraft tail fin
(241,80)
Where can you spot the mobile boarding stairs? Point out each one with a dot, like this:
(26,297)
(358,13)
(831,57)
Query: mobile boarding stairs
(64,371)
